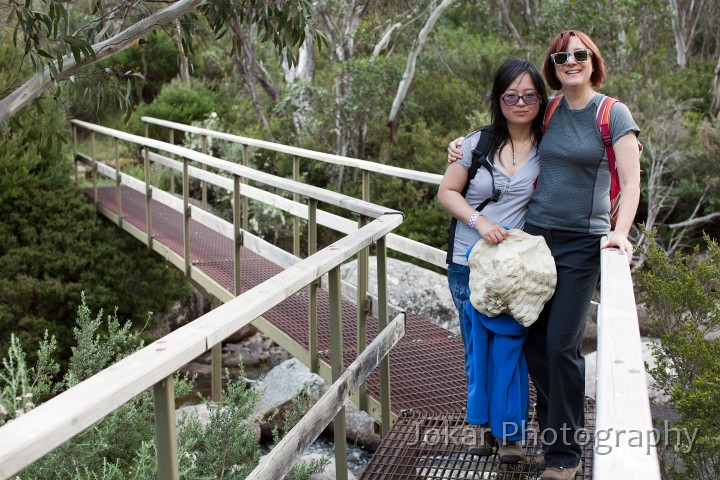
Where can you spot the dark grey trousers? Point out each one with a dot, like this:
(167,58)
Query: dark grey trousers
(553,345)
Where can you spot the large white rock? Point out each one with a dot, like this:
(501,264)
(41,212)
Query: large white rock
(327,474)
(277,389)
(412,288)
(516,276)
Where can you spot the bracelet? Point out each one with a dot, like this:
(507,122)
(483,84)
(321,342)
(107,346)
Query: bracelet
(473,218)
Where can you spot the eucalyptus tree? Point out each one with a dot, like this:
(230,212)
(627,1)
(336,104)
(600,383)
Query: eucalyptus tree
(60,39)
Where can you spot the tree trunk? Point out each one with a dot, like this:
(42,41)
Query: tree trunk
(39,83)
(245,61)
(302,76)
(259,72)
(407,79)
(184,63)
(686,17)
(716,91)
(507,20)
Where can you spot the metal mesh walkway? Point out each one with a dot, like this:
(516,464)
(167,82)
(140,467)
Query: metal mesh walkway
(426,367)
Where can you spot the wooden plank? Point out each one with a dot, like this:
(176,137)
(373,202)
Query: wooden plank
(365,165)
(333,198)
(623,408)
(281,458)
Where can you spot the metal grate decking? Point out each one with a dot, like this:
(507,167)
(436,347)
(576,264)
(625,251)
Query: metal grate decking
(422,446)
(426,374)
(425,347)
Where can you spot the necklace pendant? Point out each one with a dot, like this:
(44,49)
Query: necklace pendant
(513,160)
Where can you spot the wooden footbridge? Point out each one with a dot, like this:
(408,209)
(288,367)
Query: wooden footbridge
(406,372)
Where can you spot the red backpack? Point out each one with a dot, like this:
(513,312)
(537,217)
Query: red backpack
(603,122)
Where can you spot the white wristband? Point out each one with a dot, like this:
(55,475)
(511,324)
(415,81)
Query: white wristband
(473,218)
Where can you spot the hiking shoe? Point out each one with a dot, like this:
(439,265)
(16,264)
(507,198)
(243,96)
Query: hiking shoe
(510,452)
(535,456)
(483,443)
(560,473)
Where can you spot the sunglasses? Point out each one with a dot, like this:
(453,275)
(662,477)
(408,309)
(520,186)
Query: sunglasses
(511,99)
(581,55)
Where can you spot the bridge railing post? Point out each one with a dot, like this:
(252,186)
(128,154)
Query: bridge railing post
(148,199)
(75,151)
(245,202)
(118,183)
(172,155)
(366,185)
(186,216)
(362,308)
(381,252)
(312,289)
(336,352)
(216,366)
(165,432)
(296,198)
(203,183)
(148,191)
(94,167)
(237,234)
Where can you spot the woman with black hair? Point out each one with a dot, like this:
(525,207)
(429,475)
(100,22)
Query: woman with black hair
(517,104)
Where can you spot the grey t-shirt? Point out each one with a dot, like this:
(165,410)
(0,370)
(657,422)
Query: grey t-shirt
(508,211)
(573,190)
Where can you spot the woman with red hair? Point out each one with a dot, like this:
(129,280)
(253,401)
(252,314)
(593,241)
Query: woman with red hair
(570,208)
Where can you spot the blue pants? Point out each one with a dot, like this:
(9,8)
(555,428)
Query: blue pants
(459,283)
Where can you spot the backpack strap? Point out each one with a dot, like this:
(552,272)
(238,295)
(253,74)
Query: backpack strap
(479,153)
(552,105)
(603,123)
(479,159)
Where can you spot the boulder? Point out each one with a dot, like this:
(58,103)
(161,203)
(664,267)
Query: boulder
(201,412)
(327,474)
(359,428)
(277,390)
(181,313)
(412,288)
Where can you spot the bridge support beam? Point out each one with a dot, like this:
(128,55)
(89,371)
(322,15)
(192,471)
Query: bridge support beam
(118,183)
(362,309)
(336,352)
(312,289)
(381,252)
(296,219)
(165,432)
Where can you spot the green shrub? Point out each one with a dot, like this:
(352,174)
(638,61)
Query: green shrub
(54,246)
(122,445)
(682,296)
(177,103)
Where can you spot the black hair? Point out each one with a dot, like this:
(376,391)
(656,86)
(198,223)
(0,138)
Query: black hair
(504,77)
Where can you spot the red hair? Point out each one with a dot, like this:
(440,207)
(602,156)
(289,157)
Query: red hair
(560,44)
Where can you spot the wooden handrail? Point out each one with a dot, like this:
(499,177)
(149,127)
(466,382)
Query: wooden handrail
(622,406)
(353,204)
(286,453)
(431,178)
(39,431)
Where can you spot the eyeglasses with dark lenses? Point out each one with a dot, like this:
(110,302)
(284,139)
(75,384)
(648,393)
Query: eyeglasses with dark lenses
(581,55)
(511,99)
